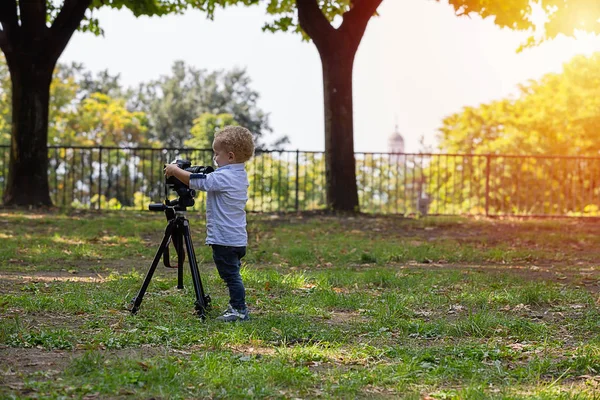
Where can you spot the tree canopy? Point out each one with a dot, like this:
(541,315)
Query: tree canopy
(558,114)
(88,109)
(34,34)
(173,102)
(561,17)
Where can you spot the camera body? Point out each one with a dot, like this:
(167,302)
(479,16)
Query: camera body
(175,184)
(186,195)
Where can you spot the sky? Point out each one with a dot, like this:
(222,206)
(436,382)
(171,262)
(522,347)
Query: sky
(417,64)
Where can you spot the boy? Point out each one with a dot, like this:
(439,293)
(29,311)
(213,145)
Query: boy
(227,194)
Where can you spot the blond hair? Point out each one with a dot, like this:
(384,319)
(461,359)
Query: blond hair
(238,140)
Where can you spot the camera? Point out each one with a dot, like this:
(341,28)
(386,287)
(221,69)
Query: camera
(175,184)
(186,195)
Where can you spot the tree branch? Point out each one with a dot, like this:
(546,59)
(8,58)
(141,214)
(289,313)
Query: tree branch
(313,22)
(356,19)
(33,16)
(71,10)
(10,26)
(8,17)
(66,23)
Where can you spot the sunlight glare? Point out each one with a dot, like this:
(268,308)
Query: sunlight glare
(585,42)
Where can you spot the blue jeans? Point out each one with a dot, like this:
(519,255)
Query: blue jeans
(228,262)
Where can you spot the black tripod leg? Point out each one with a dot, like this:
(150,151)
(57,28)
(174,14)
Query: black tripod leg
(180,255)
(202,301)
(137,301)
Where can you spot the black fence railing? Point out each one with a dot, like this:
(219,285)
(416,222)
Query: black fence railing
(280,181)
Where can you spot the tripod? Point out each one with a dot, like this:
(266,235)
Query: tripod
(177,231)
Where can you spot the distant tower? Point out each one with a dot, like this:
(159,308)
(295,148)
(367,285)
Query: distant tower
(396,142)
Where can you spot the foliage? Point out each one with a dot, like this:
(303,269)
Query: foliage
(286,181)
(320,20)
(204,129)
(104,121)
(63,107)
(557,115)
(5,102)
(174,102)
(88,110)
(138,7)
(96,110)
(578,15)
(560,17)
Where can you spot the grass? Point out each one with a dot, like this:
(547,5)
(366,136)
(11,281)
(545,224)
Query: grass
(363,307)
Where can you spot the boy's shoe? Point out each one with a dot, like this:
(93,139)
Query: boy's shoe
(232,315)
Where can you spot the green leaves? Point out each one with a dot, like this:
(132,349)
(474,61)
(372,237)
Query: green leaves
(137,7)
(559,16)
(143,7)
(102,120)
(5,101)
(512,14)
(205,126)
(557,115)
(176,101)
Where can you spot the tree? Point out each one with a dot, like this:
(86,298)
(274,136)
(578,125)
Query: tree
(205,127)
(33,36)
(557,115)
(35,32)
(78,102)
(175,101)
(104,83)
(103,121)
(5,95)
(64,102)
(337,47)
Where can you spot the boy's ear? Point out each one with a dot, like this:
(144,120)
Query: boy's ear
(231,155)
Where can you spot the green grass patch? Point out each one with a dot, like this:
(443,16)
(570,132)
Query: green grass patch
(365,308)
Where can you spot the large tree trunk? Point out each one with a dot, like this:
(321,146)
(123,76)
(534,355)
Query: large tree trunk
(32,50)
(340,165)
(337,48)
(27,182)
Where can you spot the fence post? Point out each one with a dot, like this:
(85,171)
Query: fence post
(297,180)
(100,179)
(487,185)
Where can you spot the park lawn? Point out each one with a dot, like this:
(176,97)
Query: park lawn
(342,307)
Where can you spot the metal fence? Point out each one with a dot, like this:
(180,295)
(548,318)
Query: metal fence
(280,181)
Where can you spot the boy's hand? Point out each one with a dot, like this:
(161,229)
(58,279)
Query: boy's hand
(170,170)
(182,175)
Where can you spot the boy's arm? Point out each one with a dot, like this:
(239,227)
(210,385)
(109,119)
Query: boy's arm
(206,182)
(213,182)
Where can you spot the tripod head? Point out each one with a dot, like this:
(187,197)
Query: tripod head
(174,205)
(185,199)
